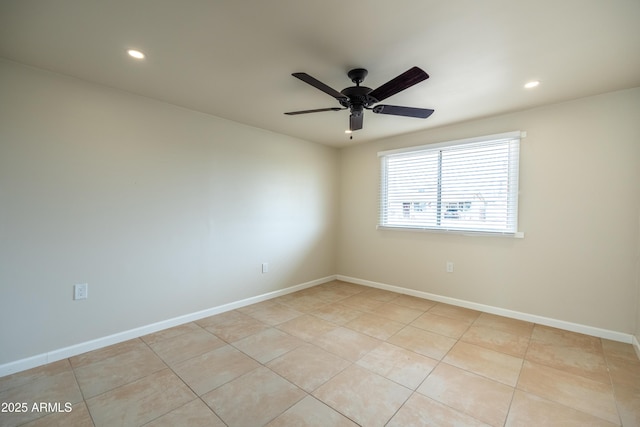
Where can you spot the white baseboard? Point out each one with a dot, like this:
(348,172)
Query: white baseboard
(541,320)
(74,350)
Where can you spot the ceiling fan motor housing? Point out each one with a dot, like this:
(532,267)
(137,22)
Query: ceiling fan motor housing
(359,98)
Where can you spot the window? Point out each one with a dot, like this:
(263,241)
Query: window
(466,186)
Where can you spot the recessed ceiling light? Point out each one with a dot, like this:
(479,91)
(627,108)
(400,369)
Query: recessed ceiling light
(531,84)
(135,54)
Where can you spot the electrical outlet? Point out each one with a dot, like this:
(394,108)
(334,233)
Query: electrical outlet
(449,266)
(81,291)
(265,267)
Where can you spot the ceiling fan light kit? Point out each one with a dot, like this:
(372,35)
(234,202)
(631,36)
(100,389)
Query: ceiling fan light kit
(358,98)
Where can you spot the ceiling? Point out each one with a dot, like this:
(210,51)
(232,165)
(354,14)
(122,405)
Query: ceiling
(234,58)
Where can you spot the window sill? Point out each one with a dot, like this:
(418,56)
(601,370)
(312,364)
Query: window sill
(515,235)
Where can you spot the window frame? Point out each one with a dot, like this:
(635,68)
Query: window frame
(513,187)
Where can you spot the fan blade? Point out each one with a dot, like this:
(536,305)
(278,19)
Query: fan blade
(355,121)
(318,110)
(400,83)
(319,85)
(420,113)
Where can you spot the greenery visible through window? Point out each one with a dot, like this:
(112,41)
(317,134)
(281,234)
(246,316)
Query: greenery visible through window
(469,185)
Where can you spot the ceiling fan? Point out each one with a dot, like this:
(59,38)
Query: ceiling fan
(358,98)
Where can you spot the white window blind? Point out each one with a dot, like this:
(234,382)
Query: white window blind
(467,186)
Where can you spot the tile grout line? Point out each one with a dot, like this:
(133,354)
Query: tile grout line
(84,399)
(613,388)
(578,375)
(515,387)
(166,366)
(414,391)
(523,358)
(439,362)
(263,365)
(198,396)
(352,363)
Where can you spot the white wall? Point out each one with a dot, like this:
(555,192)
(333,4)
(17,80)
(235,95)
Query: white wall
(161,210)
(166,211)
(579,207)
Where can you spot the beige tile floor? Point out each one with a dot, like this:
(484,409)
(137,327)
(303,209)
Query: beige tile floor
(340,354)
